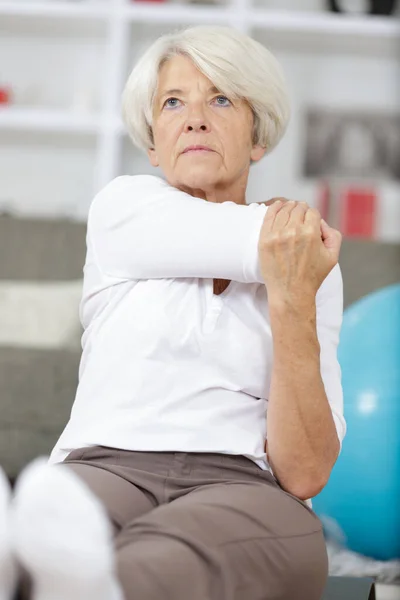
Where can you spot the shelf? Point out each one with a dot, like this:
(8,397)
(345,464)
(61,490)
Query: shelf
(326,23)
(327,33)
(32,119)
(176,14)
(88,10)
(135,12)
(294,21)
(298,24)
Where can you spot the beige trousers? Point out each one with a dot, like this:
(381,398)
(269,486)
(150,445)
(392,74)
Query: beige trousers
(198,526)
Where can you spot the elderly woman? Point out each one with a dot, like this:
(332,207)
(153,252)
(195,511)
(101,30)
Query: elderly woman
(202,316)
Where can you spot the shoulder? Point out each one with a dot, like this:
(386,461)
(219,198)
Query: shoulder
(123,189)
(129,182)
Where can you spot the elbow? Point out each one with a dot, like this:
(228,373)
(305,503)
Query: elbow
(306,491)
(300,486)
(306,482)
(315,483)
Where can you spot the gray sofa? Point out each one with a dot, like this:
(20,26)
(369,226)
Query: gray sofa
(37,386)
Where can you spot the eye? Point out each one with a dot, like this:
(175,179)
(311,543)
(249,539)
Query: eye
(223,98)
(168,101)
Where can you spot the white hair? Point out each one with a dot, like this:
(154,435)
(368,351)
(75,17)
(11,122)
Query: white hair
(237,65)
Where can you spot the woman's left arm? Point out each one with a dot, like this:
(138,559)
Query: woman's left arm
(305,423)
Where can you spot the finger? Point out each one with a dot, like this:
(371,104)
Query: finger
(325,229)
(283,216)
(298,214)
(271,213)
(313,213)
(313,217)
(331,237)
(272,200)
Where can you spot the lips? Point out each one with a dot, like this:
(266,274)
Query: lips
(197,148)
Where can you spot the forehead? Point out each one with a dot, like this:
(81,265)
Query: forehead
(176,77)
(177,71)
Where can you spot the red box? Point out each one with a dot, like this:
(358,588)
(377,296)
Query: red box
(358,206)
(5,95)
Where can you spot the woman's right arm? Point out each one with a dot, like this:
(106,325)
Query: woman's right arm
(140,227)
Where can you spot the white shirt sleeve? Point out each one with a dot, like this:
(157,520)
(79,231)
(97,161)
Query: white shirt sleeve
(140,227)
(329,305)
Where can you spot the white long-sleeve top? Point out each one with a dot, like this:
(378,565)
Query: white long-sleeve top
(166,364)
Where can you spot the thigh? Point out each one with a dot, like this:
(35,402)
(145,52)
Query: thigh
(267,544)
(122,499)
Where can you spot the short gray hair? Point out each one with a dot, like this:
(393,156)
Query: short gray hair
(237,65)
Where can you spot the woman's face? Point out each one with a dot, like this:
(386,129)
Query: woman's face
(188,110)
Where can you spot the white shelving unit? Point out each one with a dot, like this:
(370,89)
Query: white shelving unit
(14,119)
(120,26)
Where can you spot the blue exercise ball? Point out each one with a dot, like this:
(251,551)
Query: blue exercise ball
(362,497)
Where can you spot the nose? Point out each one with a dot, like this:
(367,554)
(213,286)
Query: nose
(197,121)
(196,126)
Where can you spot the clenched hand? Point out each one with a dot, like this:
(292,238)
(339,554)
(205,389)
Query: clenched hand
(297,250)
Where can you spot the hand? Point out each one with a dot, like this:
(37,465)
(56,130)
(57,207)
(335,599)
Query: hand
(297,250)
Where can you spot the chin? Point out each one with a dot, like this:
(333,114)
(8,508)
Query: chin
(200,180)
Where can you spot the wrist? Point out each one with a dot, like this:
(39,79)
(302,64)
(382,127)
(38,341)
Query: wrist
(292,305)
(293,322)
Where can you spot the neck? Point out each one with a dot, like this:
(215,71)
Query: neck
(233,192)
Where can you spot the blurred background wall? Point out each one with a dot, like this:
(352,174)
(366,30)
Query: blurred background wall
(62,69)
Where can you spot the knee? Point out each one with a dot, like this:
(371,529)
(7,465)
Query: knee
(308,566)
(284,567)
(155,563)
(152,567)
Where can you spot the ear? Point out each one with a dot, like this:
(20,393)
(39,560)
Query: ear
(153,158)
(257,152)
